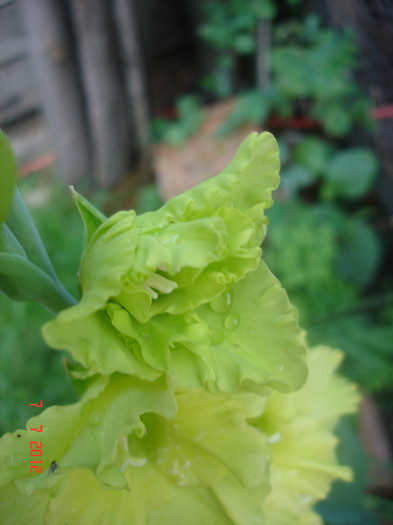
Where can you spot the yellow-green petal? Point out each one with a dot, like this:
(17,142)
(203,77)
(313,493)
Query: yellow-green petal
(300,428)
(255,335)
(144,278)
(206,464)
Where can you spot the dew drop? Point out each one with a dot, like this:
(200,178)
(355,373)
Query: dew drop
(280,368)
(199,436)
(231,322)
(96,417)
(252,331)
(305,499)
(13,461)
(180,480)
(274,438)
(136,462)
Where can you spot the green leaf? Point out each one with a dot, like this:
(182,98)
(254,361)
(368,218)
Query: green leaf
(360,253)
(294,178)
(9,243)
(252,106)
(91,216)
(8,176)
(265,9)
(334,117)
(21,280)
(351,173)
(288,64)
(244,44)
(22,226)
(313,153)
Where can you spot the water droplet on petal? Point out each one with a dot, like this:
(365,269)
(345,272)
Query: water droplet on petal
(231,322)
(305,499)
(274,438)
(96,417)
(199,436)
(136,462)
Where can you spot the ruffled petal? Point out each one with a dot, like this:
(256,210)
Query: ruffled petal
(255,335)
(300,431)
(122,456)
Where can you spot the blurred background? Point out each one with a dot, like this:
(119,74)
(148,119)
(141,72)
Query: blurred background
(134,101)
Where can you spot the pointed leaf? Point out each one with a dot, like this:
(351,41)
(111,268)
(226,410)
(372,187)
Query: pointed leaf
(91,216)
(8,176)
(22,226)
(21,280)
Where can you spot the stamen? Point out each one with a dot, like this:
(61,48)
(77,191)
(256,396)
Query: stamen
(152,293)
(160,283)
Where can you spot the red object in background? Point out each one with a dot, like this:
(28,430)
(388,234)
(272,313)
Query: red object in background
(292,123)
(383,112)
(378,113)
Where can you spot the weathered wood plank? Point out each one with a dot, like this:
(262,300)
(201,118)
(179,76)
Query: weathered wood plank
(136,89)
(56,75)
(109,126)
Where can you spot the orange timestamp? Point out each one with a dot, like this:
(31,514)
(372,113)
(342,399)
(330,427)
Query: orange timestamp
(36,448)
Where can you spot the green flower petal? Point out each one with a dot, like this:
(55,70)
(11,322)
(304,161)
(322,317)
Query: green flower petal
(86,434)
(205,465)
(300,429)
(153,286)
(96,344)
(246,183)
(16,508)
(255,335)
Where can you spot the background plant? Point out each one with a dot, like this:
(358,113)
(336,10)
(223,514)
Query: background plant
(327,236)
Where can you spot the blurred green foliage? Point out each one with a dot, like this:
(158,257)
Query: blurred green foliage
(29,371)
(321,242)
(326,262)
(347,503)
(312,73)
(189,118)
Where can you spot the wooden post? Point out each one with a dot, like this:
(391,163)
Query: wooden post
(109,125)
(136,89)
(263,54)
(57,78)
